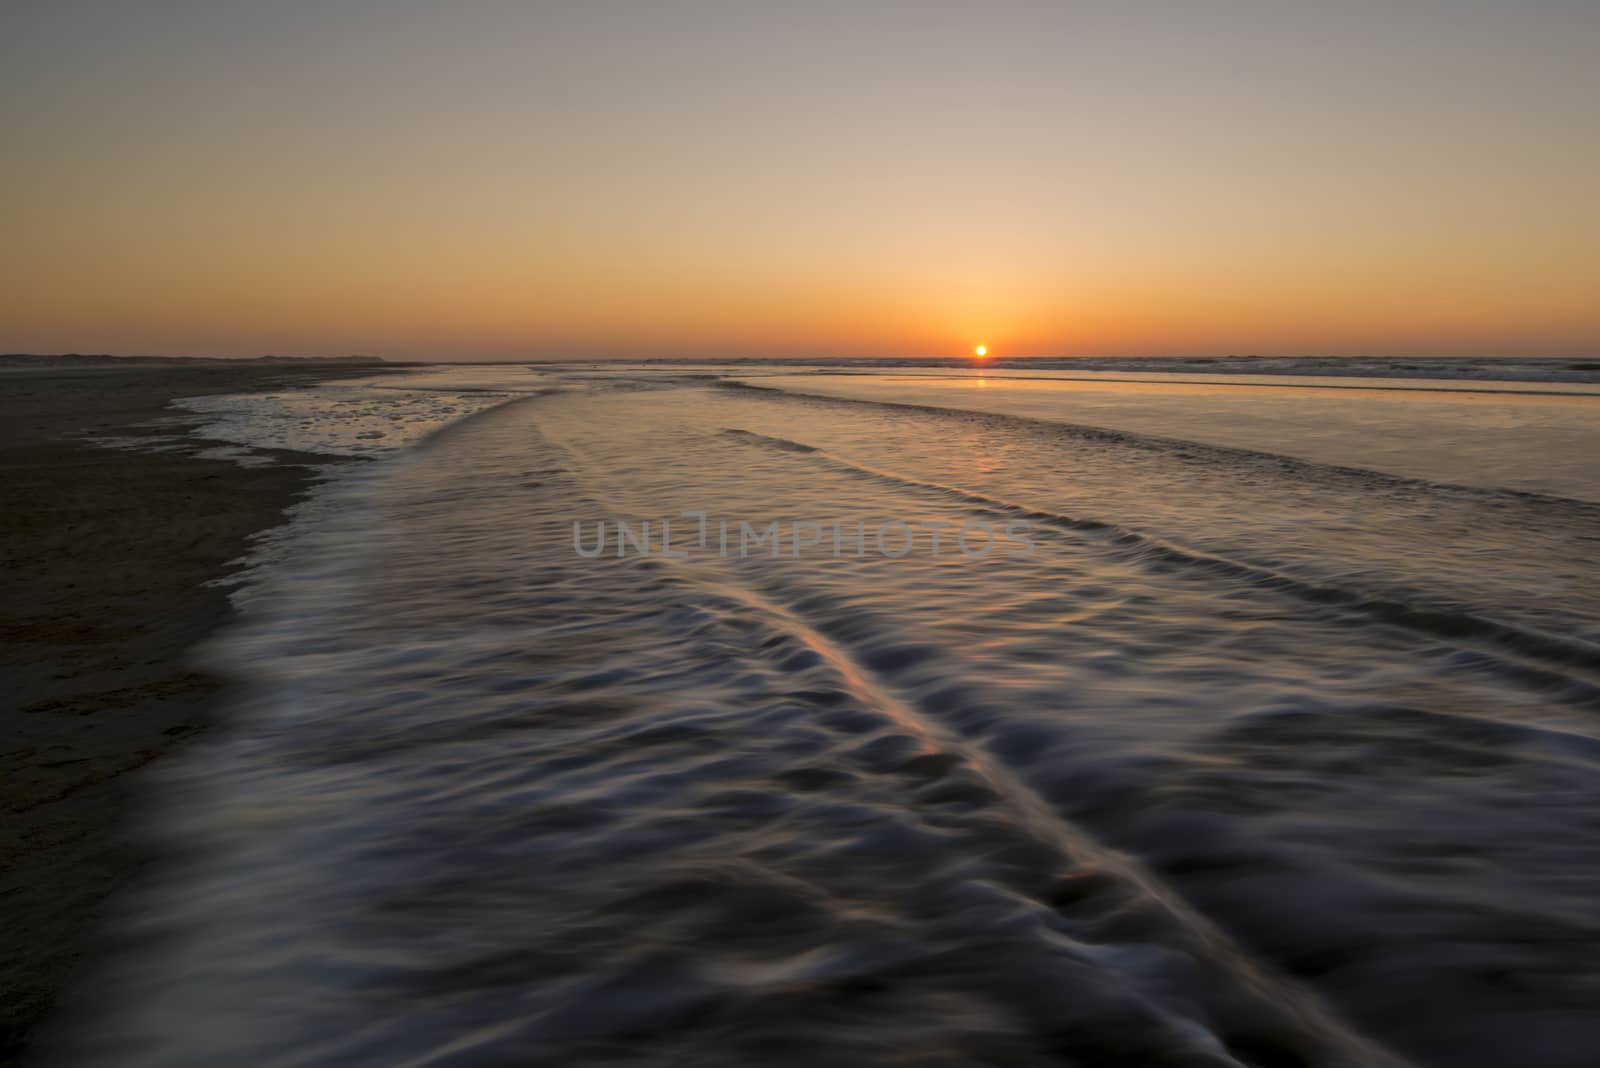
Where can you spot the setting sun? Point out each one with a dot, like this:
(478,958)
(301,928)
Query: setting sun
(981,351)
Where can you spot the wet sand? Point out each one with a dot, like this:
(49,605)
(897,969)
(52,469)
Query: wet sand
(103,558)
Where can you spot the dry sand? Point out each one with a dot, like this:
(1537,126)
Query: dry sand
(103,557)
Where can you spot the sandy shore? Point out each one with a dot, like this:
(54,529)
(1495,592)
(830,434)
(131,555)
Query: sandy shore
(103,557)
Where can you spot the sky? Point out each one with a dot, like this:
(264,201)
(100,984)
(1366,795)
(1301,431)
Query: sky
(530,180)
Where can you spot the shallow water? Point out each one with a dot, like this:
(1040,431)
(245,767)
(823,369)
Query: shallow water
(1535,436)
(1213,755)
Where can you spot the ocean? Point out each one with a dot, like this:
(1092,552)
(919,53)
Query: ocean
(674,715)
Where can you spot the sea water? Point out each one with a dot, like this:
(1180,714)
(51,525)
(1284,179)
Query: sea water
(1277,745)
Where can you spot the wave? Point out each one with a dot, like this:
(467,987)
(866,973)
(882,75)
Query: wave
(1224,454)
(1286,382)
(1095,876)
(1554,656)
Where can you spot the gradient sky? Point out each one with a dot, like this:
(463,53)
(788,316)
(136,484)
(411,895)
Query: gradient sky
(529,180)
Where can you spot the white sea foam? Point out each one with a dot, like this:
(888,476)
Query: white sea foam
(365,417)
(368,418)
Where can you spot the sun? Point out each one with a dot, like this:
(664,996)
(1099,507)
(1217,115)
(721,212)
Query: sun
(981,351)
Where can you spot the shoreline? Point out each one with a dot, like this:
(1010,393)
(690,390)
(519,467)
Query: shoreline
(105,554)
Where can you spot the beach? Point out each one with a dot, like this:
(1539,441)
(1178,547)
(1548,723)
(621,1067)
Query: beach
(105,554)
(875,535)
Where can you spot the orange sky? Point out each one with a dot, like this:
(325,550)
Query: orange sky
(515,181)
